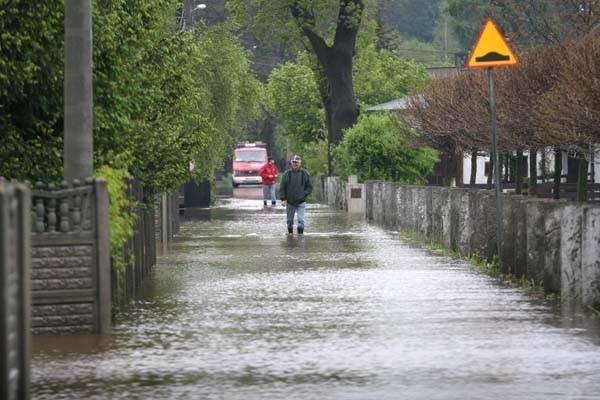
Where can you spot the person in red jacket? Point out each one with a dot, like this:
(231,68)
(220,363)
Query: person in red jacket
(268,173)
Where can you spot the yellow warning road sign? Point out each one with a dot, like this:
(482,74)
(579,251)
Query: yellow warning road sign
(491,49)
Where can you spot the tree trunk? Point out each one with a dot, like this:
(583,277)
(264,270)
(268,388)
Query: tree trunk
(327,104)
(473,179)
(557,173)
(519,173)
(532,191)
(335,63)
(458,169)
(78,159)
(339,75)
(451,170)
(543,171)
(582,174)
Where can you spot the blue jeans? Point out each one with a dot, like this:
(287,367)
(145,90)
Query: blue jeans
(291,210)
(269,192)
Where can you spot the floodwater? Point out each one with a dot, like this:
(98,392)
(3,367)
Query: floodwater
(240,310)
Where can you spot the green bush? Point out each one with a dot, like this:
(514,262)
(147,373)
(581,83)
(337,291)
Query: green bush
(378,148)
(121,217)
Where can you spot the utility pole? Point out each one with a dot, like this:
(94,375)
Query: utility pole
(187,13)
(78,158)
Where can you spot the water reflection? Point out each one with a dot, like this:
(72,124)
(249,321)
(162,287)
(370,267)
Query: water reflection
(239,309)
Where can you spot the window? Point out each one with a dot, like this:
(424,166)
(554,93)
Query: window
(251,155)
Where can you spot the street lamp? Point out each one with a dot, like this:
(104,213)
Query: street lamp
(187,14)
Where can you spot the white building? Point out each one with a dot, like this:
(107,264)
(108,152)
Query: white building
(569,167)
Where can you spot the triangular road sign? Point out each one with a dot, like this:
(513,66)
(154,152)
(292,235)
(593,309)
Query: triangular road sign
(491,49)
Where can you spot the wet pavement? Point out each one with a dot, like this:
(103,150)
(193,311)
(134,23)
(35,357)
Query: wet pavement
(240,310)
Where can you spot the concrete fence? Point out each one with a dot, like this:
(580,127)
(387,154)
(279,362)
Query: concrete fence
(70,277)
(139,253)
(348,196)
(166,220)
(552,243)
(14,291)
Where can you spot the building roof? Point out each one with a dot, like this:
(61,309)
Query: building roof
(394,105)
(401,104)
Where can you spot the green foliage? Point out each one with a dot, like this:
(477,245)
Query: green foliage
(415,18)
(467,17)
(318,16)
(164,98)
(382,76)
(31,69)
(292,96)
(377,148)
(121,218)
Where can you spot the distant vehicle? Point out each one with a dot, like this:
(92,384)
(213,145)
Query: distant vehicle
(248,157)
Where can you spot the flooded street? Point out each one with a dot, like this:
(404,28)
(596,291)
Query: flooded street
(238,309)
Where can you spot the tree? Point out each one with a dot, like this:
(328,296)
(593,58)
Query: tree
(31,94)
(293,97)
(378,148)
(526,22)
(165,98)
(329,30)
(412,18)
(381,75)
(451,115)
(292,93)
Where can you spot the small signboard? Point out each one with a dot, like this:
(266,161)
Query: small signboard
(491,49)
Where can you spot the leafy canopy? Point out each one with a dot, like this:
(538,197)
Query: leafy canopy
(378,148)
(164,98)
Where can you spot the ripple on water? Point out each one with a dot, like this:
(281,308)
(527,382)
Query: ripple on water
(240,310)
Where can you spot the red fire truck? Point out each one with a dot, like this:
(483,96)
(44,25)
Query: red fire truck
(248,157)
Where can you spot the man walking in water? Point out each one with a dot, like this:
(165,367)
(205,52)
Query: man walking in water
(294,189)
(268,173)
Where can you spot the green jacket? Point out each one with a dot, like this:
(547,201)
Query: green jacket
(295,186)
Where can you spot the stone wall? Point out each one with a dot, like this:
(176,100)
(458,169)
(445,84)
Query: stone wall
(331,191)
(552,243)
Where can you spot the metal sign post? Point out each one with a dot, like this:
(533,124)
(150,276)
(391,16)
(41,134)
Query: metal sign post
(491,50)
(496,166)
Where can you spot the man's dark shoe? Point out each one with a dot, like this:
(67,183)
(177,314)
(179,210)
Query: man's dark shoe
(290,230)
(265,203)
(300,231)
(273,203)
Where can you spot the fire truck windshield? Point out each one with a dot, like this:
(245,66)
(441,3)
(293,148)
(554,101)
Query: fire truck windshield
(251,155)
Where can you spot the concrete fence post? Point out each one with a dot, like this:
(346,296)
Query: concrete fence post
(15,314)
(103,256)
(355,193)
